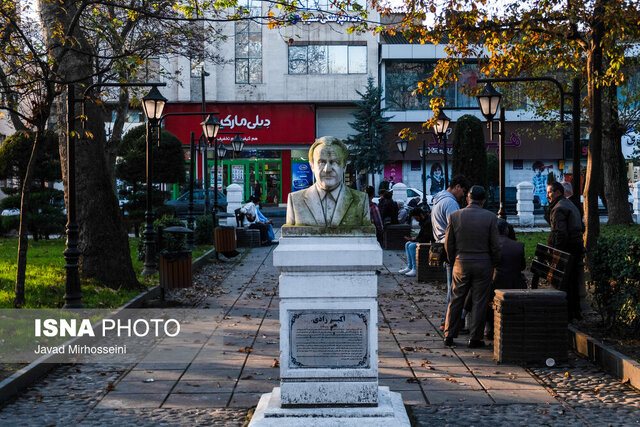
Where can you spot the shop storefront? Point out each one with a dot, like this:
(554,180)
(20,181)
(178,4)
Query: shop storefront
(277,137)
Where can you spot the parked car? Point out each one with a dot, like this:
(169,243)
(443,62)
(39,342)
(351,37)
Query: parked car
(181,204)
(412,193)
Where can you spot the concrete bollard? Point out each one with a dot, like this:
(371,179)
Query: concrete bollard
(524,207)
(399,192)
(235,198)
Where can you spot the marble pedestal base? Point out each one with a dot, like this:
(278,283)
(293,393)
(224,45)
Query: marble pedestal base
(389,412)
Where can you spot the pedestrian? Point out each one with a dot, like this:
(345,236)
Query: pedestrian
(425,235)
(566,235)
(384,185)
(472,246)
(388,208)
(403,214)
(539,182)
(508,274)
(257,191)
(391,183)
(444,204)
(568,193)
(374,213)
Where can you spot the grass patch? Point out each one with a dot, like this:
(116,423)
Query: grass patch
(530,240)
(45,276)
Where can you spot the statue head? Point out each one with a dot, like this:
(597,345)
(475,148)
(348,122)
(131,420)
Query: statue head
(328,158)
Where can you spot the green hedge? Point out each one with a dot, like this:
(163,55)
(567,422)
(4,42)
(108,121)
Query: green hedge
(615,280)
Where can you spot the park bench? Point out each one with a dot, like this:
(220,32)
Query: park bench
(393,236)
(530,325)
(551,265)
(245,237)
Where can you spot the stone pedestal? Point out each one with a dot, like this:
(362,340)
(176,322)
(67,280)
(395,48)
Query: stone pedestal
(525,204)
(329,332)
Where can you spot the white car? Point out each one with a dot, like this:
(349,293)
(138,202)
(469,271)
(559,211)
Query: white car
(412,193)
(10,212)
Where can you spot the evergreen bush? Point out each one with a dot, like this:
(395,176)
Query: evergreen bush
(204,230)
(469,152)
(615,280)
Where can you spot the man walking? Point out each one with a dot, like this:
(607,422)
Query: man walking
(566,235)
(473,248)
(444,204)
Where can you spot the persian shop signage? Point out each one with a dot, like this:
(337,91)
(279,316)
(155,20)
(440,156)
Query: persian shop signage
(269,123)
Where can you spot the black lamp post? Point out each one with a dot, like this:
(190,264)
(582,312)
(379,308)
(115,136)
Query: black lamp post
(210,128)
(489,100)
(423,156)
(440,128)
(73,290)
(237,143)
(153,104)
(488,96)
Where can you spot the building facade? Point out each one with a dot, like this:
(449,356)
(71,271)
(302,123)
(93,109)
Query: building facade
(280,89)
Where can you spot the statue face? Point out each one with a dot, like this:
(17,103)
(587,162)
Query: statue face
(326,167)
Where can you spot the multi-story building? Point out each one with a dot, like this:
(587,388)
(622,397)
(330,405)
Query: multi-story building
(281,88)
(403,65)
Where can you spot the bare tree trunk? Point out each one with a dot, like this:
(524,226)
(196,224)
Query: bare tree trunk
(594,158)
(23,234)
(103,240)
(616,187)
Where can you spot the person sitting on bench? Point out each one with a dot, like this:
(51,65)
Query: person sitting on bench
(253,216)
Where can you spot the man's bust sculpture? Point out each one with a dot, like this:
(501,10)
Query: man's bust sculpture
(328,202)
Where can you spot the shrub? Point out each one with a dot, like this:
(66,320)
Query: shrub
(615,278)
(10,224)
(204,230)
(469,152)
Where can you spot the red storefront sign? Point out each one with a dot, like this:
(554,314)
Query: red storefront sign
(259,123)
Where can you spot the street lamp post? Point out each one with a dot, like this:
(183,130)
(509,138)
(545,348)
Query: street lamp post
(489,100)
(73,290)
(153,104)
(486,100)
(440,128)
(210,128)
(423,157)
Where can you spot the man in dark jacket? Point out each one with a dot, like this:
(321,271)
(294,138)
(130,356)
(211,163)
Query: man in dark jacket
(566,235)
(424,236)
(508,275)
(472,246)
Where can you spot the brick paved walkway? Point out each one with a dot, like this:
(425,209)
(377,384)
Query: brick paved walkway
(208,381)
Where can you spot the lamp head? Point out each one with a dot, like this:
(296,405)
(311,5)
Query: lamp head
(237,143)
(442,124)
(153,104)
(210,127)
(488,101)
(402,145)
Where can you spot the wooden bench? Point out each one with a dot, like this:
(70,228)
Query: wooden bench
(551,265)
(245,237)
(393,236)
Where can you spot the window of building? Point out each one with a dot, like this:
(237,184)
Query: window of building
(327,59)
(249,48)
(402,79)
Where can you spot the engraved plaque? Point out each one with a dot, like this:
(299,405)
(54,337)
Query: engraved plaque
(329,339)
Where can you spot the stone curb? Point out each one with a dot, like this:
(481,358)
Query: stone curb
(11,386)
(613,362)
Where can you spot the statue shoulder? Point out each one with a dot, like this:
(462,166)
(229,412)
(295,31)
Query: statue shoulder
(358,195)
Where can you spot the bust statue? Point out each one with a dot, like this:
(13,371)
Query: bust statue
(328,202)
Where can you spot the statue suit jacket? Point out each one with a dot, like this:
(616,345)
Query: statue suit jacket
(304,207)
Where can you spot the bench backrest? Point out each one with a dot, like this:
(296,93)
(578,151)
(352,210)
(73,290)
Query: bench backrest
(551,265)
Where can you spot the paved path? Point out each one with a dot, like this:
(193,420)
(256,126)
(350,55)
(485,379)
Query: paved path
(218,371)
